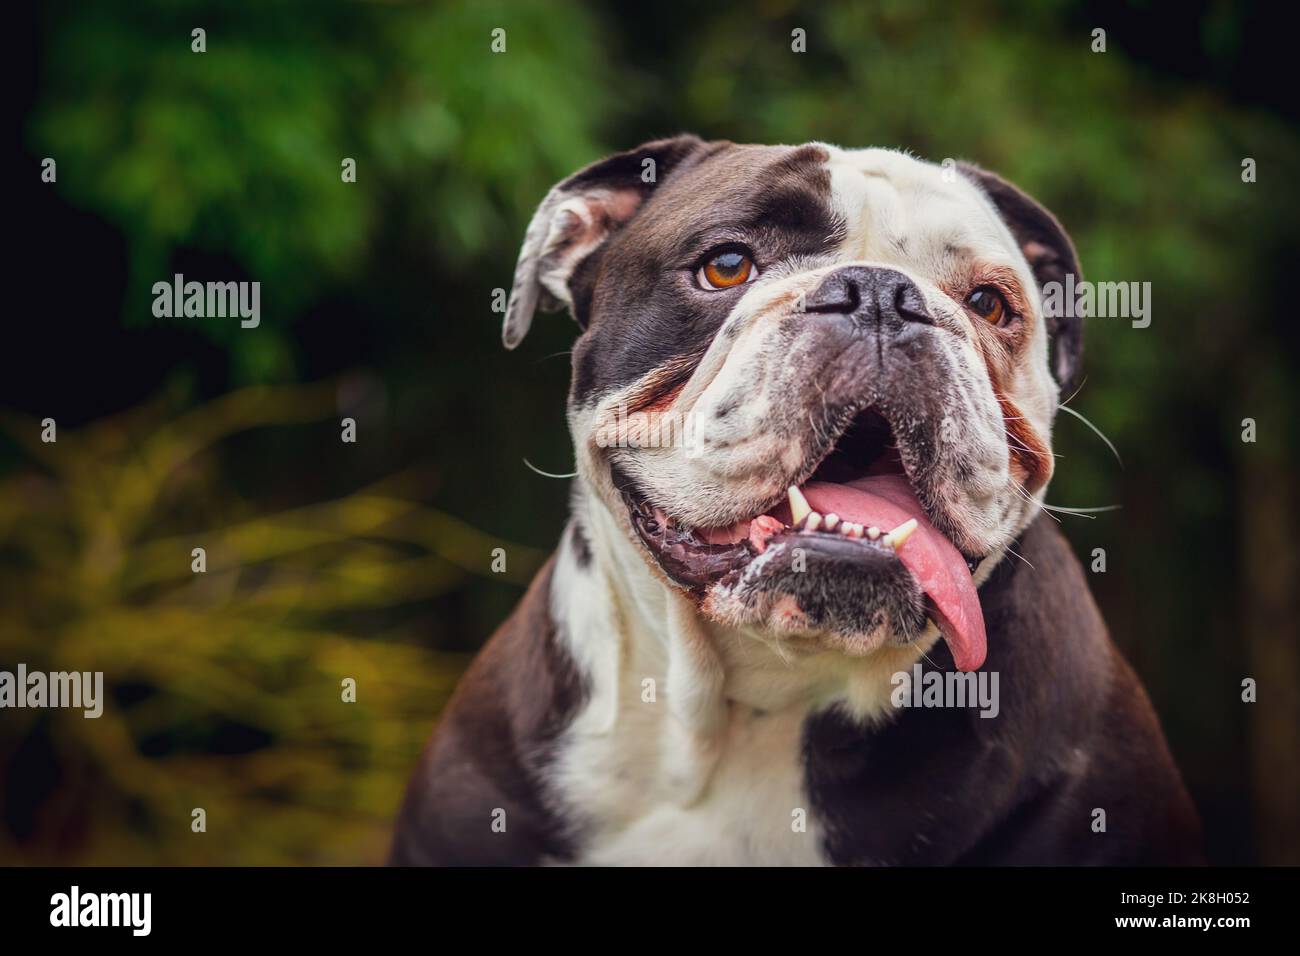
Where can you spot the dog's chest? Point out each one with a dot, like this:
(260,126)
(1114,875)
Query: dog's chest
(644,790)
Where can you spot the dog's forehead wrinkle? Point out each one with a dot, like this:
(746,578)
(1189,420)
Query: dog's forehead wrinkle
(744,186)
(900,208)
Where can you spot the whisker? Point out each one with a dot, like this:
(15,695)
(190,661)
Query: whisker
(1084,512)
(547,474)
(1028,497)
(1076,392)
(1062,509)
(1030,451)
(1012,551)
(1098,432)
(782,653)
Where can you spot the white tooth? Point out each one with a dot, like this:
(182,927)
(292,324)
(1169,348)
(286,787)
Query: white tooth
(852,530)
(814,521)
(873,532)
(799,507)
(831,521)
(898,537)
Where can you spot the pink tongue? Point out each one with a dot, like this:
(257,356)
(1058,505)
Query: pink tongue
(886,501)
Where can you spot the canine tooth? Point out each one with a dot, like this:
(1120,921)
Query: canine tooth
(873,532)
(832,520)
(896,538)
(814,522)
(799,507)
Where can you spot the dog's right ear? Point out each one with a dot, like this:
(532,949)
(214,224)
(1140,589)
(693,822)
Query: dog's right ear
(573,222)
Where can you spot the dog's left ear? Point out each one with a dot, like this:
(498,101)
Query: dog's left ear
(1051,256)
(573,222)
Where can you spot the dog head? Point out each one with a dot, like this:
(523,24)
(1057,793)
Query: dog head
(814,386)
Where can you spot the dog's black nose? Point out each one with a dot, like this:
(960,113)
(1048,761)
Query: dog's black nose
(871,296)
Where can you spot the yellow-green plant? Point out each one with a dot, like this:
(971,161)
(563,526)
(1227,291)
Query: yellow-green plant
(224,689)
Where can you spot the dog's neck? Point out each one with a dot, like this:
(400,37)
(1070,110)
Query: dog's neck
(626,625)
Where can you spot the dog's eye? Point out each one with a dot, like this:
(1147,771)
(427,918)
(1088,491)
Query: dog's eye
(730,268)
(988,303)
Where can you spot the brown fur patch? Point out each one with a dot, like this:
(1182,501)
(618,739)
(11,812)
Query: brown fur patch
(1031,460)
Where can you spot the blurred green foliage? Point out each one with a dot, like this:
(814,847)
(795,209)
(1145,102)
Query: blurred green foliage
(237,151)
(229,162)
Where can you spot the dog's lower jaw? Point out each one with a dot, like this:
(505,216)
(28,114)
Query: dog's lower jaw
(706,665)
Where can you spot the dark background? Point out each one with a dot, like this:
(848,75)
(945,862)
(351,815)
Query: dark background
(372,560)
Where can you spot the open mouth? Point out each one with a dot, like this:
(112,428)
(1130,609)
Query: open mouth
(858,510)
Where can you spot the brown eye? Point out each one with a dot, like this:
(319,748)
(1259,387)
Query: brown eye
(731,268)
(988,303)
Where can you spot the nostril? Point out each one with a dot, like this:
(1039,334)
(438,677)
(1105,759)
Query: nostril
(909,304)
(839,294)
(855,296)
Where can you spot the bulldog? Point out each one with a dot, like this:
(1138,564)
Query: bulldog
(811,405)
